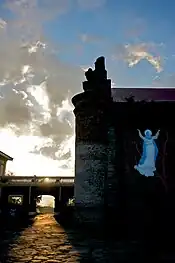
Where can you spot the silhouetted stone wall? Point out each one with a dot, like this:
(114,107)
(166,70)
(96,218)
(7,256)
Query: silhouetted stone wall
(90,173)
(91,148)
(91,157)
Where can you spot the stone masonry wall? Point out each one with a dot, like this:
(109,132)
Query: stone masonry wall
(91,160)
(112,179)
(91,169)
(92,109)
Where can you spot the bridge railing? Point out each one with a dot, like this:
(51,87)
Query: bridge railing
(36,180)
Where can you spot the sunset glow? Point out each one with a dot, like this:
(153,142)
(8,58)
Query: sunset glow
(26,163)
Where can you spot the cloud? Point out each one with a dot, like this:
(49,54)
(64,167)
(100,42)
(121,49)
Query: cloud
(133,54)
(59,130)
(39,10)
(35,85)
(90,4)
(2,23)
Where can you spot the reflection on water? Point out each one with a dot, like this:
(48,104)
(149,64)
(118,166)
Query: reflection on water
(44,241)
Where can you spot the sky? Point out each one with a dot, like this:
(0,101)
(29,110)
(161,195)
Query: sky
(45,47)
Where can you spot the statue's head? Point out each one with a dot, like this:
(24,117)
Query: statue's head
(148,134)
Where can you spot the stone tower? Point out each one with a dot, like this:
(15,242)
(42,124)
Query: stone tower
(92,111)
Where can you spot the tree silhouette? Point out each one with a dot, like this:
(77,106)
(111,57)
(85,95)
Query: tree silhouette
(130,99)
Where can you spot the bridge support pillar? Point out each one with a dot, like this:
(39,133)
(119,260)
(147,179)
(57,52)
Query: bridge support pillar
(58,201)
(91,146)
(32,208)
(31,202)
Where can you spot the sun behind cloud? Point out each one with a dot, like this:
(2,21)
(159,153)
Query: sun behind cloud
(26,163)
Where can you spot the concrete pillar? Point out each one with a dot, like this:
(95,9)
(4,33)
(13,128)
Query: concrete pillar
(30,189)
(60,192)
(4,168)
(57,209)
(31,201)
(32,207)
(91,147)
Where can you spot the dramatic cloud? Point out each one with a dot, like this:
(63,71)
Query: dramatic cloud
(133,54)
(35,85)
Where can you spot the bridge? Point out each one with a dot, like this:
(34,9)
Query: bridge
(36,181)
(27,189)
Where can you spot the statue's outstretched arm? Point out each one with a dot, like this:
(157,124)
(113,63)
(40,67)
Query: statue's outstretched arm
(140,135)
(156,135)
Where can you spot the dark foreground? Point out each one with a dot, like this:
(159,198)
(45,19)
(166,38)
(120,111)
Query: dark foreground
(43,239)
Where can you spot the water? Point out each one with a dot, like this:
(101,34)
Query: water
(45,240)
(42,241)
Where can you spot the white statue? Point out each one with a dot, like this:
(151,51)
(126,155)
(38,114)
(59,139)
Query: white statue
(146,165)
